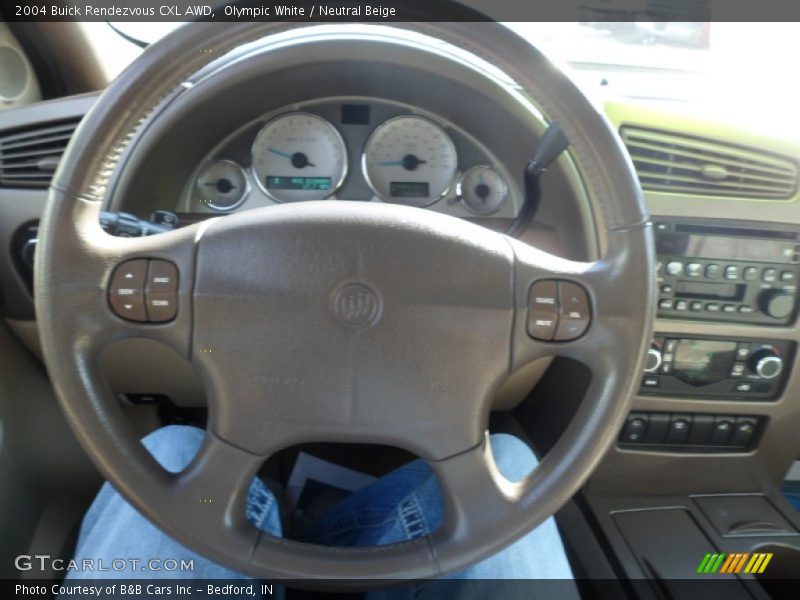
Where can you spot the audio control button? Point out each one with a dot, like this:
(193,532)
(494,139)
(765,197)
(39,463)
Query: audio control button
(696,306)
(681,305)
(713,271)
(694,269)
(731,272)
(777,304)
(543,312)
(574,314)
(126,291)
(712,307)
(750,274)
(769,275)
(674,268)
(766,363)
(787,276)
(665,303)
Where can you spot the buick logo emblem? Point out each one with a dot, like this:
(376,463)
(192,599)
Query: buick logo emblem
(356,305)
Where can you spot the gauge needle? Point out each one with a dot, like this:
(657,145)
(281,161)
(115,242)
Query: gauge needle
(391,163)
(279,153)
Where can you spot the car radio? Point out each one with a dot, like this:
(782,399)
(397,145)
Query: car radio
(716,367)
(732,272)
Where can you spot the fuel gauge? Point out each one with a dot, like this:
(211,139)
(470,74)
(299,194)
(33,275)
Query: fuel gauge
(482,190)
(222,185)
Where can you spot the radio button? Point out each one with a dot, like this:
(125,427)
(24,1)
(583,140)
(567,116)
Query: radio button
(750,274)
(666,289)
(674,268)
(713,271)
(681,305)
(745,310)
(787,275)
(665,303)
(712,307)
(731,272)
(769,275)
(694,269)
(777,304)
(696,305)
(728,308)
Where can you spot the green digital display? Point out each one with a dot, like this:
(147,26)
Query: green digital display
(409,189)
(298,183)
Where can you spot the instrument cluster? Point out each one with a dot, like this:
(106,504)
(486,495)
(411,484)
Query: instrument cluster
(354,149)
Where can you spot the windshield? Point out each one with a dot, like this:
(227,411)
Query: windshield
(724,64)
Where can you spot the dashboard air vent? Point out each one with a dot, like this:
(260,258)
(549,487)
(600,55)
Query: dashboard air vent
(29,157)
(669,162)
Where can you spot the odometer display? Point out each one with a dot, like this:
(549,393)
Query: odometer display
(409,189)
(298,183)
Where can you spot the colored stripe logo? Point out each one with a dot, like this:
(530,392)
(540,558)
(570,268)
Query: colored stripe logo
(734,562)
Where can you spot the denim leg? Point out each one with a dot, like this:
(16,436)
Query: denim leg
(112,528)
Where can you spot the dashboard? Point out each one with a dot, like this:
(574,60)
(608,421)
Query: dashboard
(353,148)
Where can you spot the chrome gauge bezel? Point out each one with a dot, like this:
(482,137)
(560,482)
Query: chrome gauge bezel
(337,134)
(460,189)
(245,176)
(371,184)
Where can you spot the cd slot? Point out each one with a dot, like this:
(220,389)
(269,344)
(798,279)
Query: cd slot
(697,290)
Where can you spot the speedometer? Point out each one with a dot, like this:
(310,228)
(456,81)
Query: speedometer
(410,160)
(299,156)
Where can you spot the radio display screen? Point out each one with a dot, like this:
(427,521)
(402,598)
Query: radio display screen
(700,362)
(726,248)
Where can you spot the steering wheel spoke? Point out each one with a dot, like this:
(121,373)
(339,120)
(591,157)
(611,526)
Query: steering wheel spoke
(118,287)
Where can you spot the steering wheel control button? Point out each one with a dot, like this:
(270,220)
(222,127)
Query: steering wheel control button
(543,313)
(161,291)
(574,314)
(126,292)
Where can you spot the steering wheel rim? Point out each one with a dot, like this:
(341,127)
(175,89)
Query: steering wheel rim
(483,512)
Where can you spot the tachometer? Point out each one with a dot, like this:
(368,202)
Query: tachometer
(482,190)
(299,156)
(410,160)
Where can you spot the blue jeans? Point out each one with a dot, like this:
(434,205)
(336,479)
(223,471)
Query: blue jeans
(403,505)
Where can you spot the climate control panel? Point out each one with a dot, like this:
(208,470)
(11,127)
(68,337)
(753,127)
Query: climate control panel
(722,368)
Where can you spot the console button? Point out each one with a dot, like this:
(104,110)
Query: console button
(721,432)
(731,272)
(744,431)
(573,315)
(694,269)
(543,313)
(713,271)
(787,276)
(657,428)
(674,268)
(666,289)
(745,310)
(696,305)
(162,276)
(728,308)
(679,427)
(126,292)
(665,303)
(681,305)
(712,307)
(750,274)
(769,275)
(701,429)
(634,428)
(161,306)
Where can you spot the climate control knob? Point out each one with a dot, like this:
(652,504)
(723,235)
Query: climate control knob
(766,363)
(653,360)
(777,304)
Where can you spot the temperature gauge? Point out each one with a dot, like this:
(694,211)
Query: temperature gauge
(222,185)
(482,190)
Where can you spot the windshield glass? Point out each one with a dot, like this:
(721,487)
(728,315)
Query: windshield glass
(730,64)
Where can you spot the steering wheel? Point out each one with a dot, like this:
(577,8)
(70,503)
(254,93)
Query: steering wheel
(343,322)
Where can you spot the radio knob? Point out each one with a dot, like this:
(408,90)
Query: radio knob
(766,363)
(653,360)
(777,304)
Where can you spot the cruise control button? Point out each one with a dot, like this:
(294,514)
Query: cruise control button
(573,317)
(126,292)
(543,310)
